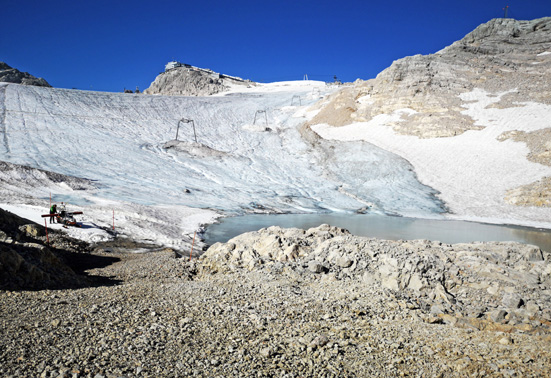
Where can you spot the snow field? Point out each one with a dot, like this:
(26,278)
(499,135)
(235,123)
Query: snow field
(471,171)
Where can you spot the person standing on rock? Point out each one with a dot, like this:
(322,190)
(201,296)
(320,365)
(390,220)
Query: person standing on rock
(53,210)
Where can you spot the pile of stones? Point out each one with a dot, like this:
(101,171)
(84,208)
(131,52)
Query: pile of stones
(507,283)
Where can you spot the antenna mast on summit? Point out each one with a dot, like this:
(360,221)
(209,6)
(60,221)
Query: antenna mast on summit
(506,9)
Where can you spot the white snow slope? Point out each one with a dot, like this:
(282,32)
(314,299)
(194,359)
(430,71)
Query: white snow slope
(162,191)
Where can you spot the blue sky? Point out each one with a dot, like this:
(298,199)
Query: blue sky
(116,44)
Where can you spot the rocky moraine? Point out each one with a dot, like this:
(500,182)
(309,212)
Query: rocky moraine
(273,303)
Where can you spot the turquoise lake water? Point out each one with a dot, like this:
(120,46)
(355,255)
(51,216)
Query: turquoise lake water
(384,227)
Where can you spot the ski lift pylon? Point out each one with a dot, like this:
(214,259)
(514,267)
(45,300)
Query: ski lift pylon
(184,120)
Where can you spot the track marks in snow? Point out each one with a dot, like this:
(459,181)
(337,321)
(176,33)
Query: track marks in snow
(3,117)
(117,139)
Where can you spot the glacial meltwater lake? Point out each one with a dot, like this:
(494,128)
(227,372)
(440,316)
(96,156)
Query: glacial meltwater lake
(384,227)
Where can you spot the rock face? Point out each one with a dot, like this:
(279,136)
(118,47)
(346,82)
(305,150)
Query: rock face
(534,194)
(537,193)
(539,143)
(192,81)
(504,56)
(498,56)
(26,262)
(12,75)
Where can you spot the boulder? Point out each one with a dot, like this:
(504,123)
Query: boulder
(533,254)
(33,230)
(512,300)
(316,267)
(497,315)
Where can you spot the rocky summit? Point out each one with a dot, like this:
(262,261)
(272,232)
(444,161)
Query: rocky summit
(290,303)
(186,80)
(499,56)
(12,75)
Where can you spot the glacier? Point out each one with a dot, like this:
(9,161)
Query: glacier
(125,145)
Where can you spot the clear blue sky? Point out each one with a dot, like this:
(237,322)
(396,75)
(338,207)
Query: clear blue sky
(116,44)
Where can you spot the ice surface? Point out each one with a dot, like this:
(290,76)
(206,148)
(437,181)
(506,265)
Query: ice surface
(124,144)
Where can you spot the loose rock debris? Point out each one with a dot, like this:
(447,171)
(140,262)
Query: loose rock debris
(292,303)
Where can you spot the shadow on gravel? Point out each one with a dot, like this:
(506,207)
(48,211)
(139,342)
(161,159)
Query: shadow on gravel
(32,266)
(81,262)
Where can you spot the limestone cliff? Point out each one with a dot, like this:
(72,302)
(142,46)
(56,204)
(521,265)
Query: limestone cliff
(509,59)
(498,56)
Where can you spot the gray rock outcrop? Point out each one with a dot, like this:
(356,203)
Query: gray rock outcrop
(501,55)
(12,75)
(535,194)
(13,175)
(192,81)
(471,279)
(27,262)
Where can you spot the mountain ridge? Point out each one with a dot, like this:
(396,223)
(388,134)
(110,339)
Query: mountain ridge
(492,88)
(13,75)
(431,84)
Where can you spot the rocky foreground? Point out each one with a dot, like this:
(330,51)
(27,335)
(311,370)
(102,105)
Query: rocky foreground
(283,303)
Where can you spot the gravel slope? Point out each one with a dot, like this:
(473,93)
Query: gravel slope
(156,315)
